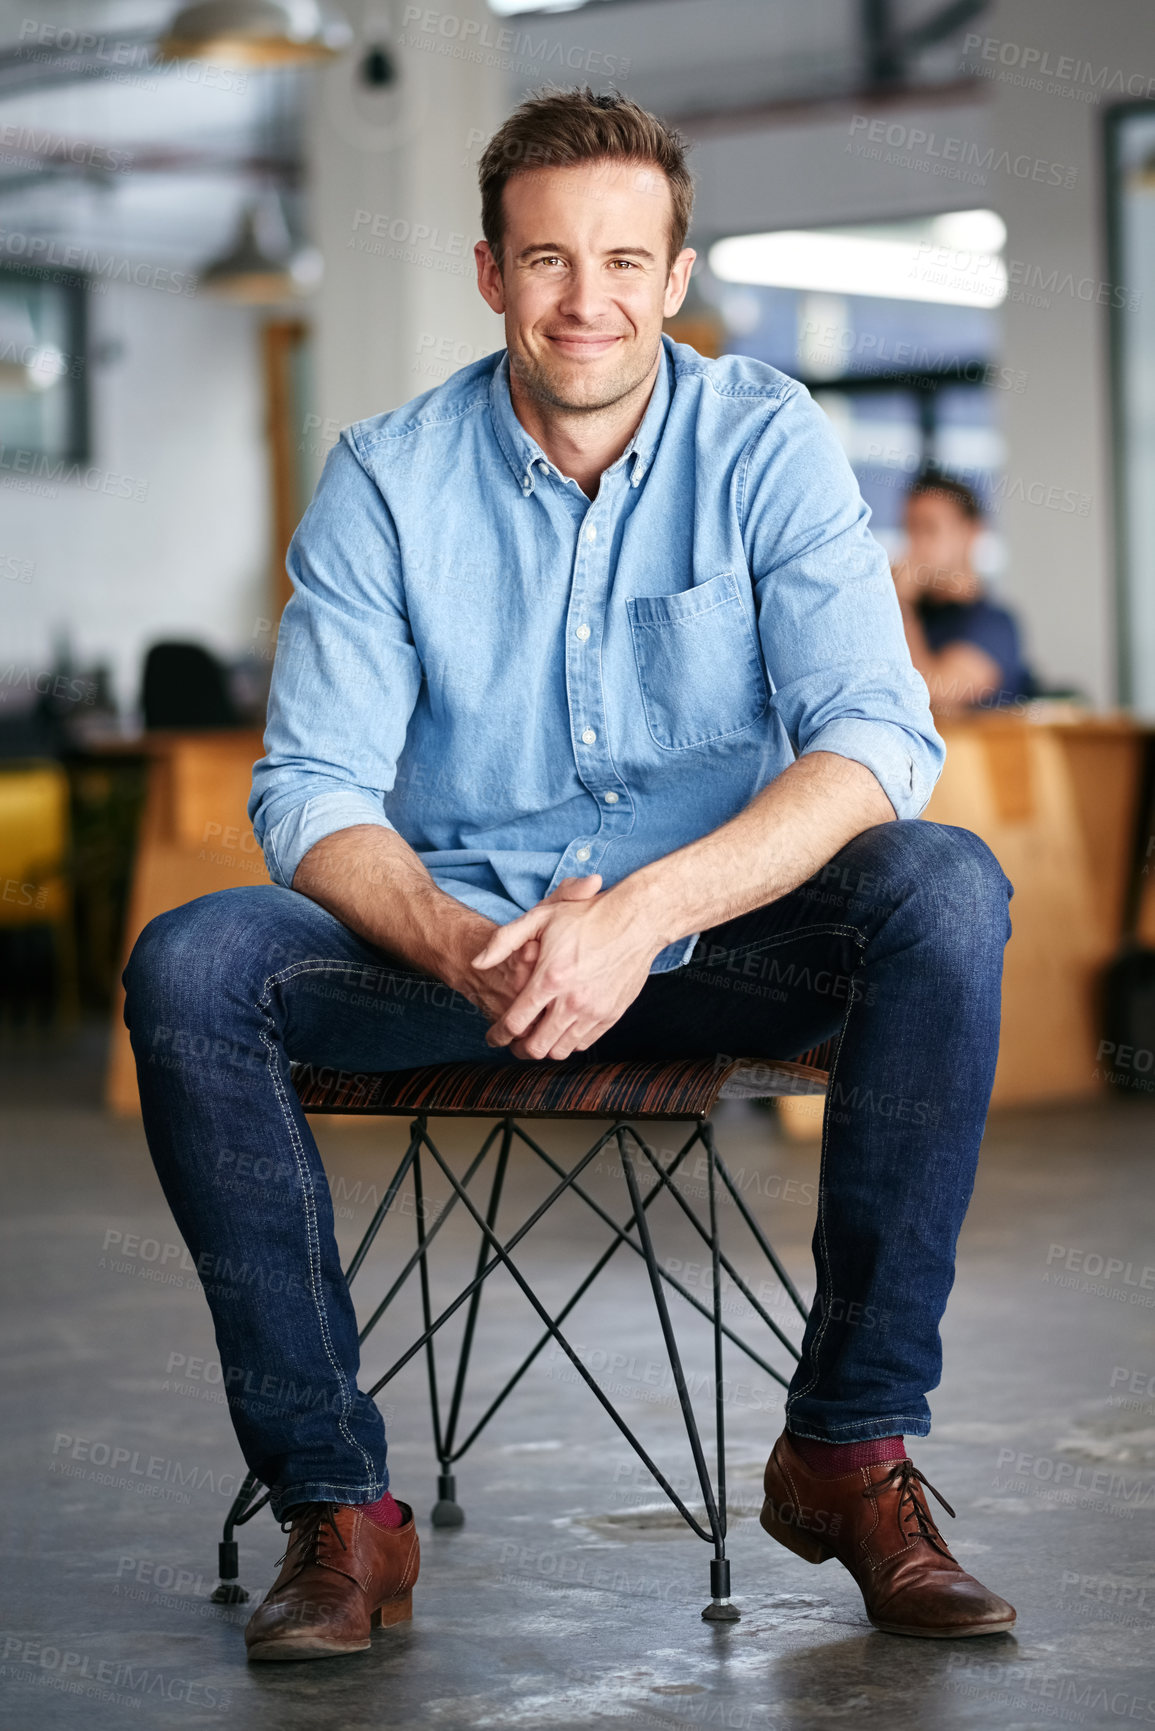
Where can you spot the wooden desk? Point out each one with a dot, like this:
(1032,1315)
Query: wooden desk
(1054,799)
(1056,802)
(194,838)
(1053,792)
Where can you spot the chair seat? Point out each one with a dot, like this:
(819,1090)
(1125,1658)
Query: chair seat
(572,1088)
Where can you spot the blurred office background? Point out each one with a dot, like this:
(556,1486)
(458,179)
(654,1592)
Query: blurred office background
(228,231)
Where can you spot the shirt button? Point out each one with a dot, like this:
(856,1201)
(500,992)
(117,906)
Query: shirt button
(592,532)
(611,798)
(582,853)
(583,632)
(589,736)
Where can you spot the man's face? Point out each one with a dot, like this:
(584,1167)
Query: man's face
(585,280)
(940,537)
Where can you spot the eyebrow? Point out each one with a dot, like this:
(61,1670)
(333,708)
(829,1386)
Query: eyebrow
(610,252)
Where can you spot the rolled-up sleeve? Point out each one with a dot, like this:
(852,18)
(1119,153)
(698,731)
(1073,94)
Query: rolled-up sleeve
(828,615)
(345,677)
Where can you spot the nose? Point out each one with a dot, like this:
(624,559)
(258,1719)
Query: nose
(584,296)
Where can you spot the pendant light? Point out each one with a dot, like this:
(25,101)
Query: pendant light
(256,32)
(262,266)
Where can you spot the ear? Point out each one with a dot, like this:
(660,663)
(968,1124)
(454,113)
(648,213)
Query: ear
(489,277)
(678,281)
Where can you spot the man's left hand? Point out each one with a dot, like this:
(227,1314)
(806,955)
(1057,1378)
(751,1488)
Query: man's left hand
(594,958)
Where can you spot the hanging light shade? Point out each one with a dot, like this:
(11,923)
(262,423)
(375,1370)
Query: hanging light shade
(256,32)
(255,272)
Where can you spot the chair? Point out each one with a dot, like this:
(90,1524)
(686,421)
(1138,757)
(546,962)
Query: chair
(627,1094)
(184,685)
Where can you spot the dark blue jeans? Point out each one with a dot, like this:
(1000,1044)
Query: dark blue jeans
(896,946)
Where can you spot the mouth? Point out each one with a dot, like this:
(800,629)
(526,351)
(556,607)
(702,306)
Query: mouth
(583,348)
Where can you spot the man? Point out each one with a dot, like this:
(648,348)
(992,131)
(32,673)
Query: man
(592,672)
(965,646)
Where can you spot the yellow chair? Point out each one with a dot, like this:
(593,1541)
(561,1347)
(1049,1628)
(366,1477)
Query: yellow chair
(35,842)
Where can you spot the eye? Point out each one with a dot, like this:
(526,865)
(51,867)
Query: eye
(627,263)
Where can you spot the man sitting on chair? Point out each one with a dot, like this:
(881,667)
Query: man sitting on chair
(592,670)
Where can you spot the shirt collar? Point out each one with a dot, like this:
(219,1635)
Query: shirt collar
(523,453)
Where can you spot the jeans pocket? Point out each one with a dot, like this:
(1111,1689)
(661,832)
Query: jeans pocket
(699,666)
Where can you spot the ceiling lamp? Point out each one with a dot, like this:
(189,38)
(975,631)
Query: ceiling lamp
(256,32)
(825,262)
(252,272)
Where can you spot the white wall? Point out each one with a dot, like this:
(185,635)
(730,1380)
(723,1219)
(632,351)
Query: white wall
(179,409)
(1058,430)
(394,207)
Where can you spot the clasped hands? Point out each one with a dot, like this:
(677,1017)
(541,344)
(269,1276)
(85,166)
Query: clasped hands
(558,976)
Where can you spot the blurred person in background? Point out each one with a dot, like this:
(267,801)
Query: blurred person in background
(966,646)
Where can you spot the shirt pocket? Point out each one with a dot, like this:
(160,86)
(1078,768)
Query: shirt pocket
(698,663)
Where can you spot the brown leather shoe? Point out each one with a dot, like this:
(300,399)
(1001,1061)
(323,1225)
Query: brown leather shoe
(876,1521)
(342,1576)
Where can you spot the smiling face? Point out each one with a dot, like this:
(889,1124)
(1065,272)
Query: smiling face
(585,280)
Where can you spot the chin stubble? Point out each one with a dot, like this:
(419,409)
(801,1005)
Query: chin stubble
(539,383)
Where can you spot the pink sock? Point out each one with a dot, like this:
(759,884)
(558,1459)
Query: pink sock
(383,1513)
(828,1460)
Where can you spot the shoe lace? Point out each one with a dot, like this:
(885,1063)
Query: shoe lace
(306,1524)
(911,1504)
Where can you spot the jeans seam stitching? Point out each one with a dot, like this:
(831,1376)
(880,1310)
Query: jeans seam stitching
(789,937)
(311,1233)
(820,1335)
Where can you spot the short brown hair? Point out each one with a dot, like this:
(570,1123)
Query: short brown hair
(557,128)
(933,481)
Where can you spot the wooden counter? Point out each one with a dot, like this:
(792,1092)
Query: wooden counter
(194,838)
(1056,802)
(1053,791)
(1053,794)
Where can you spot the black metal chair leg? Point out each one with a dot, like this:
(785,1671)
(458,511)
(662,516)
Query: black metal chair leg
(447,1511)
(720,1607)
(230,1591)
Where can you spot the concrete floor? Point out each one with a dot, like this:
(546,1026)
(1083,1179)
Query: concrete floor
(571,1598)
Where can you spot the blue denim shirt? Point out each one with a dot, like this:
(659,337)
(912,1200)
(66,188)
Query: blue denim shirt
(529,685)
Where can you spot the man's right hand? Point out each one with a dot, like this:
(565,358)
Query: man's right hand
(494,989)
(370,878)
